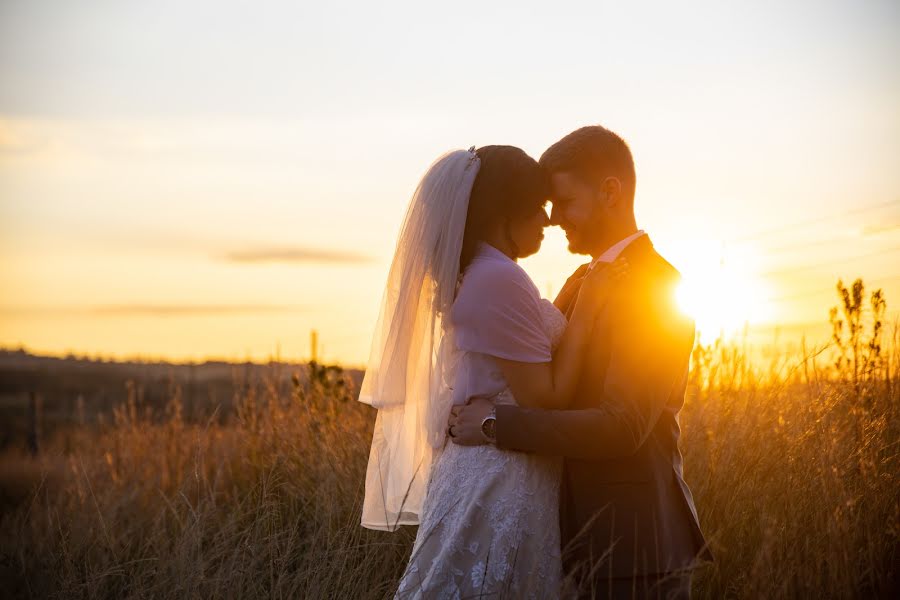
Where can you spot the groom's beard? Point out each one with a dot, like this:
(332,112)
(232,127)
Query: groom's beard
(576,244)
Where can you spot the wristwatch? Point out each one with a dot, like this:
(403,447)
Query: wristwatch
(488,426)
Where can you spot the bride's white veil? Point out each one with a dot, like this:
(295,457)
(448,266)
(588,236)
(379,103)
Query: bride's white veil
(413,358)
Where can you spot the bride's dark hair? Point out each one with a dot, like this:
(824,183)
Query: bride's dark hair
(510,185)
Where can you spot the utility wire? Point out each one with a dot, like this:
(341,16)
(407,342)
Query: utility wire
(792,226)
(831,288)
(835,241)
(837,261)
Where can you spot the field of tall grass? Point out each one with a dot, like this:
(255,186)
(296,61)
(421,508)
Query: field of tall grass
(794,463)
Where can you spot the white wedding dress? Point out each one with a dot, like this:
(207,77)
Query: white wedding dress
(490,521)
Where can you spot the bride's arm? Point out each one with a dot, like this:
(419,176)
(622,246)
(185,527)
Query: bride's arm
(551,385)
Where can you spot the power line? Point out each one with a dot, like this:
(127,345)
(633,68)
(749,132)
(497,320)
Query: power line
(835,241)
(832,288)
(791,226)
(837,261)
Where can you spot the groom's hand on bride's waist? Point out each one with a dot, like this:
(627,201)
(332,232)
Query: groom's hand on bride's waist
(466,425)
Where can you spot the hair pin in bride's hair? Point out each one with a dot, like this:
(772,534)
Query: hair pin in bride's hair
(472,158)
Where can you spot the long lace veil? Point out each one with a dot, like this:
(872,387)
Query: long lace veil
(412,359)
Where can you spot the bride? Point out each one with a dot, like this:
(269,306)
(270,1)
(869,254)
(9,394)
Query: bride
(460,318)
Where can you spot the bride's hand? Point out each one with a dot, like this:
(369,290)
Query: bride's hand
(601,281)
(569,290)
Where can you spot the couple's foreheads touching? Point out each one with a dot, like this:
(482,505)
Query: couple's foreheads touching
(589,178)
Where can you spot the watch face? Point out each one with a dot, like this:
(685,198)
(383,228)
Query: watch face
(487,427)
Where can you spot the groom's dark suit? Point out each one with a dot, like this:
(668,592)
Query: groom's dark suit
(622,484)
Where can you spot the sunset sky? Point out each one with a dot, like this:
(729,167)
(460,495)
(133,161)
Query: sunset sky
(215,179)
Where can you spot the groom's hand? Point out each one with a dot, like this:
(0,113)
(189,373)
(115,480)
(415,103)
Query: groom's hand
(465,422)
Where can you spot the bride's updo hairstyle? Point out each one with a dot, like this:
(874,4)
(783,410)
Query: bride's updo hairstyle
(510,185)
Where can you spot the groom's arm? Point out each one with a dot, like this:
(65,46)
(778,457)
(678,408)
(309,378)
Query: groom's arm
(649,356)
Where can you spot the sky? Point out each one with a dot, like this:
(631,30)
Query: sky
(217,179)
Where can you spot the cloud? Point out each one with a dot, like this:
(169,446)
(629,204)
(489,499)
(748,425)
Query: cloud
(151,310)
(296,255)
(882,228)
(23,138)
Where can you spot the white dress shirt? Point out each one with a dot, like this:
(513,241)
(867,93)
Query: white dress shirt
(613,252)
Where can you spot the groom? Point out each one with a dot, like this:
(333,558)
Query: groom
(628,522)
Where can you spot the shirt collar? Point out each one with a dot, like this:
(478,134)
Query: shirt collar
(613,252)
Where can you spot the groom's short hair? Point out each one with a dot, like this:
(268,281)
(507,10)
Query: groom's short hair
(592,153)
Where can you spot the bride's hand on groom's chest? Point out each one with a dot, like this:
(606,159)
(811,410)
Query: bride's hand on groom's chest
(570,289)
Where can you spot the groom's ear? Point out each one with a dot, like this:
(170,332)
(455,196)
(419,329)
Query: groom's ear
(611,191)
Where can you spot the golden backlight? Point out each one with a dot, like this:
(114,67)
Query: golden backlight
(722,295)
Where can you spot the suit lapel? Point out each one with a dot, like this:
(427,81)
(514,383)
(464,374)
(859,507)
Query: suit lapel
(635,252)
(571,306)
(638,249)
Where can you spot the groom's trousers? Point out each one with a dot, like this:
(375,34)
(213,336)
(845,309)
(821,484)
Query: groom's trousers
(666,586)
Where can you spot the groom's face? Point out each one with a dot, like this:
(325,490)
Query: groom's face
(577,212)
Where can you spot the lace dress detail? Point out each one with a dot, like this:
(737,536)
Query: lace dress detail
(554,321)
(490,520)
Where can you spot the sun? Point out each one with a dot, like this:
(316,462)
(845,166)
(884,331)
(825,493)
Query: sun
(720,292)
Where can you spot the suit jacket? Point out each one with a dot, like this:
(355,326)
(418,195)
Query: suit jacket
(625,508)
